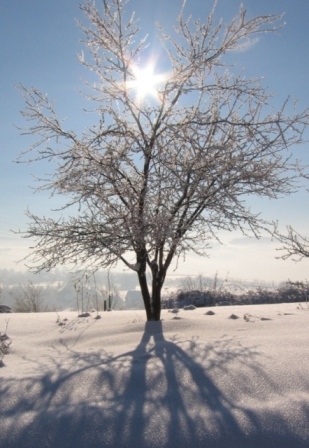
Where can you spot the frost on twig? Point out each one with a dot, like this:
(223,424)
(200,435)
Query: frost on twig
(174,154)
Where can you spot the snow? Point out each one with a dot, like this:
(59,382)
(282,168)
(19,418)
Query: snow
(191,380)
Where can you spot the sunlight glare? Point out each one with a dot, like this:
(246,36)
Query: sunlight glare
(146,82)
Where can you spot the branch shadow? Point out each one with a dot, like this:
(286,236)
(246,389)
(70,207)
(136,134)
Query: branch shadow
(164,393)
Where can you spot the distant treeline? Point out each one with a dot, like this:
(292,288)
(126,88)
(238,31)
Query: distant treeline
(222,295)
(60,289)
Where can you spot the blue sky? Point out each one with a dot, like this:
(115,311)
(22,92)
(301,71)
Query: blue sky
(39,43)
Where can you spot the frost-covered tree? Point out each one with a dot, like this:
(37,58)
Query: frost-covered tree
(174,155)
(29,299)
(295,245)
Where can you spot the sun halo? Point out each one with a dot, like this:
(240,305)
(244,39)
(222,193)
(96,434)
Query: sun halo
(146,82)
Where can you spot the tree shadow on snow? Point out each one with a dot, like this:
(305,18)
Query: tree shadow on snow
(164,393)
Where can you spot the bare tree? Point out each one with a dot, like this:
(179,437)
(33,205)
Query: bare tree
(295,245)
(30,300)
(109,293)
(173,157)
(82,291)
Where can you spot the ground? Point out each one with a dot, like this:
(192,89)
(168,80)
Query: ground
(193,379)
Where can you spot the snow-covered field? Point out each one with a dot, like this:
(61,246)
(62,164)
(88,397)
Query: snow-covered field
(196,380)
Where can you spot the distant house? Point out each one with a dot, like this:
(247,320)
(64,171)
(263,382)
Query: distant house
(134,300)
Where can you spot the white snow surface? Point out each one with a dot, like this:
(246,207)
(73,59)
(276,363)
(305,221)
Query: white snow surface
(193,380)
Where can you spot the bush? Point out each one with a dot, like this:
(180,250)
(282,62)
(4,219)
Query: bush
(222,293)
(5,343)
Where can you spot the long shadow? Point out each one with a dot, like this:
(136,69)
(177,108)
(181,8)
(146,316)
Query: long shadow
(178,374)
(161,394)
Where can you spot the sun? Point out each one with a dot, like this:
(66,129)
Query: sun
(145,82)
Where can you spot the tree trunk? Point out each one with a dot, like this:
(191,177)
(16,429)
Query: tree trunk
(156,303)
(156,291)
(152,302)
(145,294)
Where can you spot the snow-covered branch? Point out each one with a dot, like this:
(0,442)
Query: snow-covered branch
(172,158)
